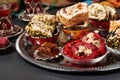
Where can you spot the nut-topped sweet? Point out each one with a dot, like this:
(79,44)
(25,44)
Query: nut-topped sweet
(102,12)
(113,38)
(42,25)
(96,40)
(43,28)
(88,49)
(100,17)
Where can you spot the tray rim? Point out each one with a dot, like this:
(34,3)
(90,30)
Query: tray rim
(22,17)
(62,68)
(17,33)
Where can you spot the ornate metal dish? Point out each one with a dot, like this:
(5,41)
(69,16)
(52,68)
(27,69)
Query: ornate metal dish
(18,30)
(110,62)
(22,17)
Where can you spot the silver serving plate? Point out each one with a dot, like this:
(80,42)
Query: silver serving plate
(22,16)
(18,31)
(59,66)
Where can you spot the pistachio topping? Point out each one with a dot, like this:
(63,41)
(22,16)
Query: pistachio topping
(42,25)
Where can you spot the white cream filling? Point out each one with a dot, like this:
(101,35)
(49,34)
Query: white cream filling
(83,49)
(91,39)
(97,11)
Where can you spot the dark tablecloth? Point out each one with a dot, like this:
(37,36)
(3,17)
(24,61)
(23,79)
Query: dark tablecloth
(14,67)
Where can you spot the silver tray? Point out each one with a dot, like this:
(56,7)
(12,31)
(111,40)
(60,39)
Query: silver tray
(22,17)
(18,29)
(111,62)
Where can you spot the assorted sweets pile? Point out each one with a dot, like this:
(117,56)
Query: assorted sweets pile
(74,19)
(43,28)
(106,17)
(100,17)
(86,45)
(113,39)
(43,32)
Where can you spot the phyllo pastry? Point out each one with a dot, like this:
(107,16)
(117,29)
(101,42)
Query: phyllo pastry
(102,12)
(73,15)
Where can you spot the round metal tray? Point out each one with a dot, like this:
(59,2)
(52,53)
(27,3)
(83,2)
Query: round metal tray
(111,62)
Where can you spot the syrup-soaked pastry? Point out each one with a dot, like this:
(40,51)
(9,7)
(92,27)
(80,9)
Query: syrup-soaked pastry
(73,15)
(114,24)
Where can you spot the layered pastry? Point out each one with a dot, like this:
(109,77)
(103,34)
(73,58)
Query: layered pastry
(100,17)
(47,51)
(114,24)
(43,28)
(97,11)
(74,19)
(101,12)
(72,15)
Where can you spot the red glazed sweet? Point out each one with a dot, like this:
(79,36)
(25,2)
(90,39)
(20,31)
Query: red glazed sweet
(3,42)
(100,24)
(72,53)
(96,40)
(40,40)
(83,51)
